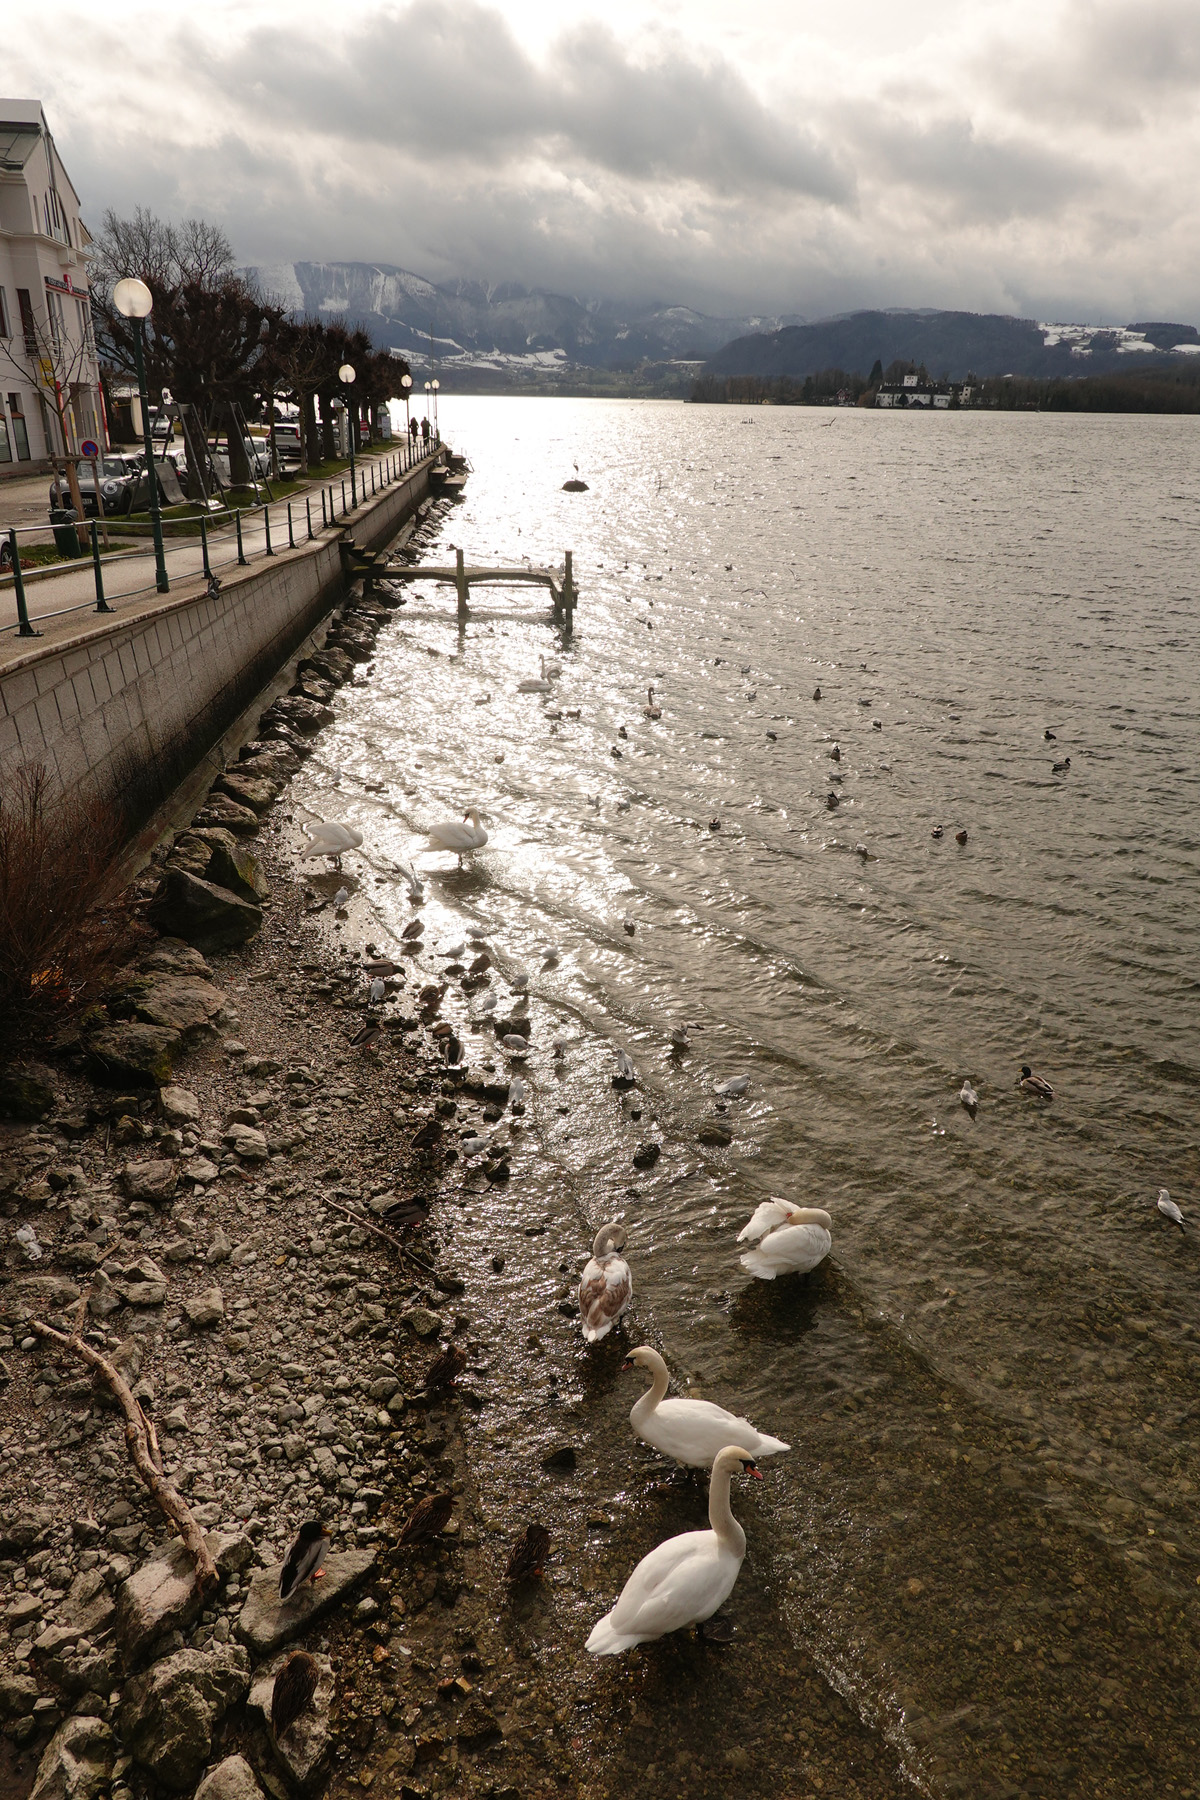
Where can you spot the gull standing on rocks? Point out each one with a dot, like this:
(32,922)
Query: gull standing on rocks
(626,1074)
(606,1285)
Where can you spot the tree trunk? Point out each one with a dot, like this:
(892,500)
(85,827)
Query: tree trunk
(239,465)
(195,439)
(302,403)
(328,439)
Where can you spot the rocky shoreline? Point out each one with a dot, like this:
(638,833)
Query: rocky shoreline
(196,1162)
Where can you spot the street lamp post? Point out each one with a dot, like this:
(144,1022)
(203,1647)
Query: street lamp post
(435,384)
(346,375)
(133,300)
(406,384)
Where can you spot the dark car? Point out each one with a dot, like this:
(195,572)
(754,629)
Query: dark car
(119,479)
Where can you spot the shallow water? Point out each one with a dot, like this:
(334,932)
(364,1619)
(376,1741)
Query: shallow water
(986,1536)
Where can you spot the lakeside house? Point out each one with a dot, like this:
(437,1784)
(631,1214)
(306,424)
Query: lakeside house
(50,399)
(916,390)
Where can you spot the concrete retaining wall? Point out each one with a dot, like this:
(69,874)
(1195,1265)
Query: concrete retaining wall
(128,709)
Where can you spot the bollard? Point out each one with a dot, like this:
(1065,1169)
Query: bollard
(242,558)
(324,520)
(101,603)
(267,528)
(343,497)
(568,592)
(204,546)
(291,533)
(308,515)
(460,582)
(24,628)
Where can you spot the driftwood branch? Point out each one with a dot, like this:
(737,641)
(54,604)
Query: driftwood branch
(142,1442)
(388,1238)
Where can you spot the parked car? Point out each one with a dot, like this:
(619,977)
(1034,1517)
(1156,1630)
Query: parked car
(288,443)
(119,478)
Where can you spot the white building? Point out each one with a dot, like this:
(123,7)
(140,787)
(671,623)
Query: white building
(50,399)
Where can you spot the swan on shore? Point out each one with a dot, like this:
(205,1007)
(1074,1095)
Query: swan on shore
(606,1285)
(792,1239)
(461,836)
(684,1580)
(331,839)
(690,1431)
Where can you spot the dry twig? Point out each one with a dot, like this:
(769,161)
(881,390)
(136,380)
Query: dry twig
(142,1443)
(369,1225)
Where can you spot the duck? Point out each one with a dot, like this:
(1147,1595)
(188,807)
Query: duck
(794,1239)
(651,711)
(690,1431)
(534,684)
(1029,1083)
(1060,768)
(293,1692)
(684,1580)
(528,1556)
(969,1098)
(606,1285)
(304,1559)
(331,839)
(460,836)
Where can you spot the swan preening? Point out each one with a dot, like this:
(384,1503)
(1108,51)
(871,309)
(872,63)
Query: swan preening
(606,1285)
(684,1580)
(690,1431)
(332,839)
(460,836)
(792,1240)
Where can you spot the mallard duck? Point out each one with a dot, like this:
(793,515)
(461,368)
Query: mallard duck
(793,1239)
(529,1554)
(684,1580)
(304,1559)
(427,1519)
(606,1285)
(445,1369)
(690,1431)
(1029,1083)
(294,1691)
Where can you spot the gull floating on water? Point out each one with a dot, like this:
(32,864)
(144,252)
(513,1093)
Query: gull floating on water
(680,1038)
(331,839)
(731,1089)
(1166,1206)
(461,836)
(969,1098)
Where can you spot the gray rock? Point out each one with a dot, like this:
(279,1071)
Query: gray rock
(17,1695)
(206,1308)
(255,791)
(143,1283)
(162,1595)
(103,1298)
(238,869)
(150,1181)
(31,1295)
(206,915)
(180,1106)
(167,1716)
(246,1142)
(171,956)
(232,1779)
(267,1623)
(220,1250)
(125,1056)
(226,814)
(77,1763)
(24,1095)
(304,1749)
(185,1003)
(421,1322)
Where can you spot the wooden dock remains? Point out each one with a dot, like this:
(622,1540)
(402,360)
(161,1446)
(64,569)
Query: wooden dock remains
(563,592)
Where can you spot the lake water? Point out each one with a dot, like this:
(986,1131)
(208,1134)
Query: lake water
(984,1545)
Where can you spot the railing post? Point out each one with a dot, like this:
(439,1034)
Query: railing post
(308,515)
(24,628)
(291,533)
(101,603)
(460,582)
(267,529)
(243,560)
(344,497)
(204,546)
(324,520)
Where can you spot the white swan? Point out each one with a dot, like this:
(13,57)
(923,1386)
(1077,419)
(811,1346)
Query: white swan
(459,836)
(606,1285)
(794,1239)
(532,685)
(690,1431)
(332,839)
(650,710)
(683,1581)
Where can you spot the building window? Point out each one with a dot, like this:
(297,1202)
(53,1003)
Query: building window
(28,326)
(4,330)
(20,431)
(5,446)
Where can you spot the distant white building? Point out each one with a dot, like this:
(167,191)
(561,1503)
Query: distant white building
(50,400)
(912,391)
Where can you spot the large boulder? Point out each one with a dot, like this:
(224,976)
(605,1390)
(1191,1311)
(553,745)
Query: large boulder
(141,1283)
(266,1622)
(205,1308)
(304,716)
(25,1095)
(167,1716)
(330,664)
(238,869)
(183,1002)
(219,809)
(77,1762)
(125,1056)
(278,762)
(171,956)
(162,1594)
(232,1779)
(303,1750)
(255,791)
(203,913)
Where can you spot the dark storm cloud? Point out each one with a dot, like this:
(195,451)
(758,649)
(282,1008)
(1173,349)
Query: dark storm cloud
(454,77)
(954,168)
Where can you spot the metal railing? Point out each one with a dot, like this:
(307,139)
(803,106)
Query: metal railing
(222,535)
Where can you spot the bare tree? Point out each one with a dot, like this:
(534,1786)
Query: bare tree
(60,360)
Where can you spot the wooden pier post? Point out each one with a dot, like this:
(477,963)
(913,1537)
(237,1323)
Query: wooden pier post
(568,594)
(460,582)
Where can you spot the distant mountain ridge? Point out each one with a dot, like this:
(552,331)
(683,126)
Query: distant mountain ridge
(949,344)
(505,328)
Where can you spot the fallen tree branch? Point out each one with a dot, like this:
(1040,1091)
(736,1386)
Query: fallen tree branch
(387,1237)
(142,1443)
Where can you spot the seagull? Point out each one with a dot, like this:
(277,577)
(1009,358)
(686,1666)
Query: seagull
(1168,1208)
(376,992)
(518,982)
(488,1003)
(733,1088)
(628,925)
(473,1146)
(680,1039)
(969,1098)
(516,1045)
(455,950)
(518,1091)
(559,1049)
(461,837)
(416,885)
(1029,1083)
(341,897)
(331,839)
(626,1074)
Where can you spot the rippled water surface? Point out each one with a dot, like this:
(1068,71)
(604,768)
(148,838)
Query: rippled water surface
(986,1534)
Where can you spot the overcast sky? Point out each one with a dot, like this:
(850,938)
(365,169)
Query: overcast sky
(1030,156)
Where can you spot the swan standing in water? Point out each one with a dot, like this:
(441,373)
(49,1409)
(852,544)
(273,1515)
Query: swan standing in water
(459,836)
(532,684)
(793,1239)
(684,1580)
(606,1285)
(690,1431)
(332,840)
